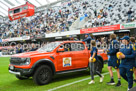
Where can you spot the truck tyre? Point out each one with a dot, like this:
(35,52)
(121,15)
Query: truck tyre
(21,77)
(99,66)
(43,75)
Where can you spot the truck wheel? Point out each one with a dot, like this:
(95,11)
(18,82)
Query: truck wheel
(21,77)
(99,66)
(43,75)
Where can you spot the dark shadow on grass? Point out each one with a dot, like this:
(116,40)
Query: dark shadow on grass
(57,78)
(26,83)
(69,76)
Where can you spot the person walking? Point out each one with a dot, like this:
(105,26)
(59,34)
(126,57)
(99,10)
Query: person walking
(113,61)
(93,63)
(127,61)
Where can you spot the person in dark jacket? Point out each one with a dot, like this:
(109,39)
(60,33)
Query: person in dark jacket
(87,40)
(129,15)
(33,47)
(127,61)
(113,61)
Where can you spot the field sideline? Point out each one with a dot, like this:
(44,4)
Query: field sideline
(9,82)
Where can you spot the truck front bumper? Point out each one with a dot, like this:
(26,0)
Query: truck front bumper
(19,71)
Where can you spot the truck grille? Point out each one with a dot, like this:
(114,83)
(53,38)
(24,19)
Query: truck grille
(15,61)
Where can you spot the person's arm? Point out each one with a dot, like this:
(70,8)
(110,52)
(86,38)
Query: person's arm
(93,55)
(87,39)
(132,55)
(112,50)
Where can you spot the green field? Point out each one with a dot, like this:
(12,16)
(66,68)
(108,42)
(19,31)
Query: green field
(9,82)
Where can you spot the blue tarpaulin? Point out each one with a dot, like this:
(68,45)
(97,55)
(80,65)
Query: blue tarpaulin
(83,17)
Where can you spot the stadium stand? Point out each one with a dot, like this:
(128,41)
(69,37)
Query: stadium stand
(69,16)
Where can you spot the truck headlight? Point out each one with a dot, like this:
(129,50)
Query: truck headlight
(25,61)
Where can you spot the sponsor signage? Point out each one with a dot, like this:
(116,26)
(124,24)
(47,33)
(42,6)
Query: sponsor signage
(128,25)
(100,29)
(37,36)
(16,39)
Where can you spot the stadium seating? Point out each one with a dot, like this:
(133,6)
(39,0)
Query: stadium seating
(69,16)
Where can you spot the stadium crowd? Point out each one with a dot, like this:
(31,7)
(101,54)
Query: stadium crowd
(59,19)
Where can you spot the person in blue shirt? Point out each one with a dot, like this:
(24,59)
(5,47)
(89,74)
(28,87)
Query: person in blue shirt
(19,49)
(127,61)
(92,64)
(133,43)
(87,40)
(113,61)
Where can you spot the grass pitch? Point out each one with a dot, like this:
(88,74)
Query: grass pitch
(9,82)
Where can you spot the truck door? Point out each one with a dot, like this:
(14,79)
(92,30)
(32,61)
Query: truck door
(65,59)
(80,54)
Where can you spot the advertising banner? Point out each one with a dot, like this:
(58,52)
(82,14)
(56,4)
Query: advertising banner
(100,29)
(128,25)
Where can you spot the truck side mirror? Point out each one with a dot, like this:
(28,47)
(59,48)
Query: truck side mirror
(60,50)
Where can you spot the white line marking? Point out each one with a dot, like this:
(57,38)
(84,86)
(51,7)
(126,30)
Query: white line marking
(75,82)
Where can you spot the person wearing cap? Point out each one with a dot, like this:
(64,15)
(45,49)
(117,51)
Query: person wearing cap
(133,43)
(127,61)
(87,40)
(113,61)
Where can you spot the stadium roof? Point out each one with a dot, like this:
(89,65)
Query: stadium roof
(5,4)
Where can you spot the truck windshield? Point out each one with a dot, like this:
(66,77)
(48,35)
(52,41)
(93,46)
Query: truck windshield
(49,47)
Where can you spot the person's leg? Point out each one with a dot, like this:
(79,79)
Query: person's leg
(111,73)
(135,72)
(135,75)
(123,72)
(95,70)
(91,70)
(91,65)
(130,78)
(119,78)
(111,82)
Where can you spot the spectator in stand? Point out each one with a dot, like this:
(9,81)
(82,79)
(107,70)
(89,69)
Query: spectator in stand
(19,49)
(129,15)
(110,7)
(93,22)
(33,47)
(95,12)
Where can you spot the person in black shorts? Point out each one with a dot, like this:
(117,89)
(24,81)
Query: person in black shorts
(113,61)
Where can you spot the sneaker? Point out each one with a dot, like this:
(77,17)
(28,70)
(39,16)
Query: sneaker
(101,79)
(91,82)
(118,84)
(128,89)
(111,82)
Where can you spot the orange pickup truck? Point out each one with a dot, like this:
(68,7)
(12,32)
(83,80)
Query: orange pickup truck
(54,58)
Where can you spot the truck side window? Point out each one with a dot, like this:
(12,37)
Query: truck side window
(67,47)
(77,46)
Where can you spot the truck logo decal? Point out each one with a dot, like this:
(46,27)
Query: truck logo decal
(67,62)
